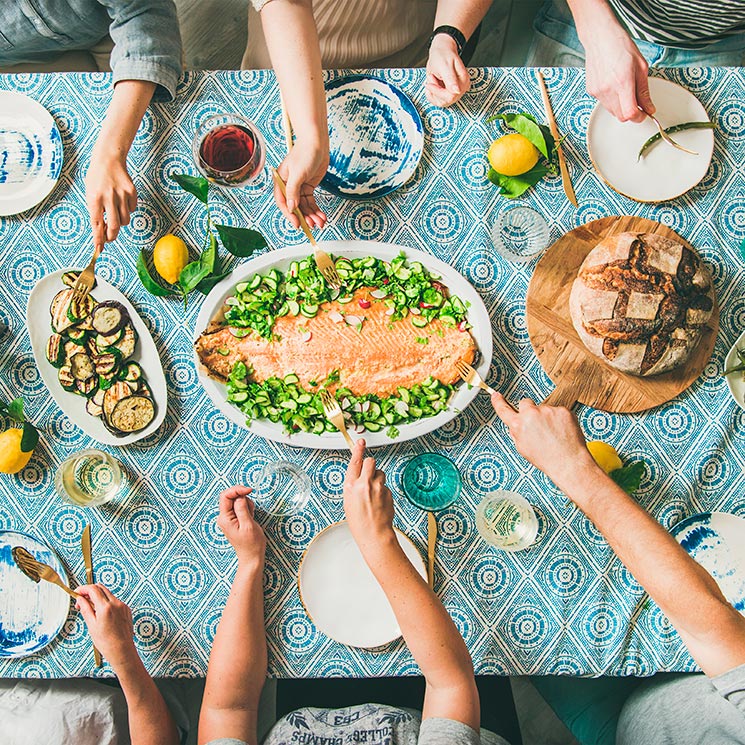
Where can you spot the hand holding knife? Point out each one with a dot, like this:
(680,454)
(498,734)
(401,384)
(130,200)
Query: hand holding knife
(85,545)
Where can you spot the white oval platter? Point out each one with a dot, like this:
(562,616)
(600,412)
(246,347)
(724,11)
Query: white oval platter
(736,381)
(146,355)
(456,283)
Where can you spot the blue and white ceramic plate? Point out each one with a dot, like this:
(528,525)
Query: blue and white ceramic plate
(736,381)
(31,613)
(30,153)
(716,540)
(376,137)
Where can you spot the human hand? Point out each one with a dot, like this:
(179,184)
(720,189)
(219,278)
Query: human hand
(109,622)
(618,74)
(109,194)
(549,437)
(236,520)
(368,503)
(302,171)
(447,76)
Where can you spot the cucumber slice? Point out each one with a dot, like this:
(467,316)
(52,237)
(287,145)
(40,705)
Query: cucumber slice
(419,321)
(309,310)
(291,378)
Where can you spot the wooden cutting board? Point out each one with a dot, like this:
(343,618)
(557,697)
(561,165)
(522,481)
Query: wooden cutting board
(578,374)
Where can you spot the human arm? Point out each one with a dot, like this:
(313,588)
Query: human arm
(109,622)
(292,41)
(428,630)
(617,73)
(550,438)
(109,190)
(447,76)
(237,667)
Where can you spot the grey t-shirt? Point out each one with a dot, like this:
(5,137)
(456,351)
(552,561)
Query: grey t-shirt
(686,709)
(369,723)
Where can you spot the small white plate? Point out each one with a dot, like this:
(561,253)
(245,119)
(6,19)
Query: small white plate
(716,540)
(664,173)
(30,153)
(146,355)
(736,381)
(376,137)
(31,613)
(340,594)
(281,259)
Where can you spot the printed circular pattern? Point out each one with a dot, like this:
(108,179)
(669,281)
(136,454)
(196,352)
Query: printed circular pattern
(206,523)
(732,217)
(272,579)
(451,433)
(145,527)
(182,476)
(185,579)
(694,78)
(490,577)
(182,376)
(713,176)
(151,628)
(95,83)
(69,122)
(65,432)
(625,579)
(454,527)
(25,82)
(600,626)
(210,624)
(251,82)
(217,429)
(110,271)
(472,170)
(37,477)
(463,621)
(67,524)
(369,222)
(713,472)
(634,664)
(587,212)
(528,627)
(512,322)
(330,474)
(73,633)
(297,530)
(731,119)
(565,575)
(335,668)
(677,422)
(661,626)
(443,221)
(113,573)
(26,376)
(484,473)
(440,125)
(174,162)
(145,133)
(67,223)
(599,424)
(38,669)
(297,631)
(144,225)
(25,271)
(674,511)
(565,665)
(675,219)
(184,667)
(578,119)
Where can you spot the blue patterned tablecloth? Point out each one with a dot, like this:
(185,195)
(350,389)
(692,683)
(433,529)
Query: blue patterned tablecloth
(565,605)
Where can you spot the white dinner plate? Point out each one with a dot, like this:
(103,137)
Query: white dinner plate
(736,381)
(456,283)
(31,613)
(376,137)
(340,594)
(146,355)
(30,153)
(664,173)
(716,540)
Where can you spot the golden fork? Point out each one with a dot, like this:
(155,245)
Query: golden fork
(87,278)
(334,414)
(36,570)
(470,375)
(665,136)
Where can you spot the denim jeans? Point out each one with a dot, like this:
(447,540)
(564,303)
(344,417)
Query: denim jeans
(556,44)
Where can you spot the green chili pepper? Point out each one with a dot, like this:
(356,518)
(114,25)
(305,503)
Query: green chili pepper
(654,139)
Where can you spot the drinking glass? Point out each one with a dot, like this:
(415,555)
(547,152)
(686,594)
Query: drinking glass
(520,234)
(281,488)
(89,478)
(431,481)
(228,150)
(506,520)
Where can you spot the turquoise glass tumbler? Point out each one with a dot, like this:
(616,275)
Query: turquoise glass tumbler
(431,481)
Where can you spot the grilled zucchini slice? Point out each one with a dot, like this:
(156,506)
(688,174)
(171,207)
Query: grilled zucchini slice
(86,387)
(113,395)
(58,311)
(77,336)
(64,375)
(126,345)
(105,342)
(79,309)
(107,363)
(56,350)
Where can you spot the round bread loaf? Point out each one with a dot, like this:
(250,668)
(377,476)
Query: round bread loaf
(640,302)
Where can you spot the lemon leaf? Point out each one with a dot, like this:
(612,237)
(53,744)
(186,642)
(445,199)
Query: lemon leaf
(528,127)
(511,187)
(29,438)
(195,185)
(629,477)
(147,281)
(241,242)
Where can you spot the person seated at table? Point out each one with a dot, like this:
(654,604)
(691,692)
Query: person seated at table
(238,661)
(617,41)
(136,39)
(84,711)
(692,708)
(299,37)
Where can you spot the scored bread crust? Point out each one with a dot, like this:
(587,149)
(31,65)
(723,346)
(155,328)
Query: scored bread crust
(640,302)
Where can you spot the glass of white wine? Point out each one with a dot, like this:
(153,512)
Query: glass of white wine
(89,478)
(507,520)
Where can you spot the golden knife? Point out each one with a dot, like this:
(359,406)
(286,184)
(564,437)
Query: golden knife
(566,179)
(431,543)
(85,545)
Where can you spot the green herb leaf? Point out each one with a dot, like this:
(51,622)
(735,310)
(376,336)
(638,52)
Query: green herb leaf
(241,242)
(528,127)
(208,283)
(29,438)
(15,410)
(153,287)
(629,477)
(191,275)
(195,185)
(513,186)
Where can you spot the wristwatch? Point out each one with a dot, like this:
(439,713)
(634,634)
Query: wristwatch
(453,33)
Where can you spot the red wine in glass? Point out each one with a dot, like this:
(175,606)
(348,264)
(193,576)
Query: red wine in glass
(230,152)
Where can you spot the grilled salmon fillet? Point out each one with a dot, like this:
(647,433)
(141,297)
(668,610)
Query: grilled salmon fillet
(381,356)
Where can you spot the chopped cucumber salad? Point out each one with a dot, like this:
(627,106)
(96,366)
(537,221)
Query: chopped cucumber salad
(300,410)
(405,287)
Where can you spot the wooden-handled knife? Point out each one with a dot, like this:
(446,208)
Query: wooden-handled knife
(85,545)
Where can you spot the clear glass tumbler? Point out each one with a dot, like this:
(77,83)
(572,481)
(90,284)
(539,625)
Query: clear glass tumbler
(89,478)
(520,234)
(507,520)
(281,488)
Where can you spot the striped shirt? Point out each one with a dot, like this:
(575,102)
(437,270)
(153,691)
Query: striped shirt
(688,24)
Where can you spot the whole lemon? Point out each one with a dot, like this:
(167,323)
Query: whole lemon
(604,455)
(170,256)
(512,154)
(12,458)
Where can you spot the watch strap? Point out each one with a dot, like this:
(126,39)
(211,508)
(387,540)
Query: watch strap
(453,33)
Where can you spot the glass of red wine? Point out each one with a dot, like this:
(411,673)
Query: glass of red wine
(228,150)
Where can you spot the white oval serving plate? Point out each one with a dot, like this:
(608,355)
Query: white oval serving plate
(456,283)
(146,355)
(341,595)
(736,381)
(664,173)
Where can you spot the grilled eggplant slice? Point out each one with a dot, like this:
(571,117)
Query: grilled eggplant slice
(58,311)
(109,317)
(64,375)
(132,414)
(81,367)
(126,345)
(93,408)
(56,350)
(86,387)
(79,309)
(144,389)
(113,395)
(106,363)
